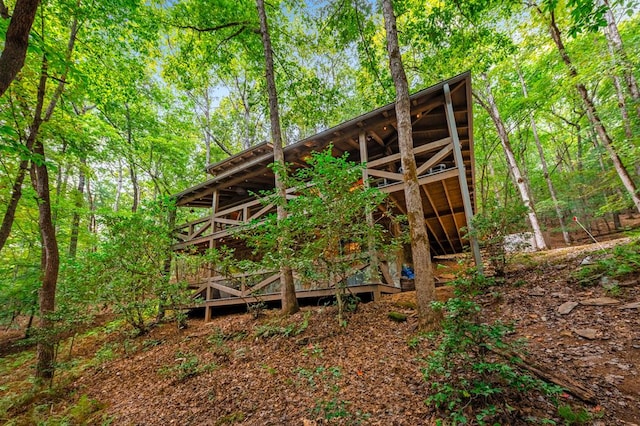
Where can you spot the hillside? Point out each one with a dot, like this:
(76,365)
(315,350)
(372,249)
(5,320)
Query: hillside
(308,370)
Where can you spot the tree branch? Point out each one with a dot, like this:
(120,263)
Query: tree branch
(213,29)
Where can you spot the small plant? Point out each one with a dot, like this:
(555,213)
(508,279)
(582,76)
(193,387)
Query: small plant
(415,341)
(337,410)
(573,417)
(187,366)
(236,416)
(622,260)
(490,229)
(151,343)
(256,309)
(271,329)
(469,380)
(268,369)
(106,353)
(313,351)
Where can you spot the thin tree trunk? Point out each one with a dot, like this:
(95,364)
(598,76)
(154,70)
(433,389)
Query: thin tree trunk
(50,255)
(518,179)
(593,116)
(116,201)
(75,221)
(289,299)
(46,347)
(615,43)
(424,280)
(622,104)
(133,175)
(16,194)
(136,190)
(543,162)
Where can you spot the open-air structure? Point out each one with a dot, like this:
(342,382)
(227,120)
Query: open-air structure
(443,149)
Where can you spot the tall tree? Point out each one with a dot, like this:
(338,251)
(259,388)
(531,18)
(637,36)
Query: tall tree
(424,281)
(16,40)
(51,256)
(614,41)
(543,162)
(548,11)
(289,299)
(519,179)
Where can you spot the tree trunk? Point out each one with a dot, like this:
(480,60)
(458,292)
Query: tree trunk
(75,221)
(593,116)
(424,281)
(40,181)
(136,190)
(116,201)
(46,353)
(16,194)
(622,103)
(518,179)
(543,162)
(615,43)
(16,41)
(289,300)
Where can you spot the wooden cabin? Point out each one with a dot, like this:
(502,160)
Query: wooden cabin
(443,149)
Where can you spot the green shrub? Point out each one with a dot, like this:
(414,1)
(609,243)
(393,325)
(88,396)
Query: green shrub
(272,329)
(186,366)
(470,383)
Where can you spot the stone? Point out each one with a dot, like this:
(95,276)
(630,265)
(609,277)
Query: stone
(599,301)
(586,261)
(633,305)
(567,307)
(536,291)
(587,333)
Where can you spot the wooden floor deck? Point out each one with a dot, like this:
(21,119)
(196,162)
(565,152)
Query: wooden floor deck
(375,290)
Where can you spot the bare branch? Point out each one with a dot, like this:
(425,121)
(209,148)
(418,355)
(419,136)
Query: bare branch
(242,24)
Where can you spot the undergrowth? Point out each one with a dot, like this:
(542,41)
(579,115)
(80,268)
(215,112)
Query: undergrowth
(471,382)
(615,263)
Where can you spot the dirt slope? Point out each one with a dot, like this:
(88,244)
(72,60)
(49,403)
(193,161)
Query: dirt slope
(307,370)
(367,373)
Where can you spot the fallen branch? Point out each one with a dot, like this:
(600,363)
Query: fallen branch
(574,388)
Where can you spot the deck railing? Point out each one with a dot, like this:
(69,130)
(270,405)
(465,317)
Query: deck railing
(207,285)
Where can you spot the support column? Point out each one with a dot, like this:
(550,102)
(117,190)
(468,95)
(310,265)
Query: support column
(373,256)
(462,176)
(208,310)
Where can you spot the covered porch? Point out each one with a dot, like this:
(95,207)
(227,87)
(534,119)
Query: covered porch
(443,149)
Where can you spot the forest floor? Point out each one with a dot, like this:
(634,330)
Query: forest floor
(309,370)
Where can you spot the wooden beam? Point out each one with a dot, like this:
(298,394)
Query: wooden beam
(462,175)
(432,146)
(261,284)
(439,156)
(446,191)
(373,256)
(435,211)
(226,289)
(386,175)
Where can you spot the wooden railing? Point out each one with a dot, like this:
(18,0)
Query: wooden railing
(220,224)
(206,285)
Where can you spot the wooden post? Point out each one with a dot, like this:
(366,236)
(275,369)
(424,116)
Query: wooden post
(462,175)
(373,265)
(208,310)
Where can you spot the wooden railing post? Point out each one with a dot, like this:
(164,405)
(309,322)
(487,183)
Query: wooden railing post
(373,268)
